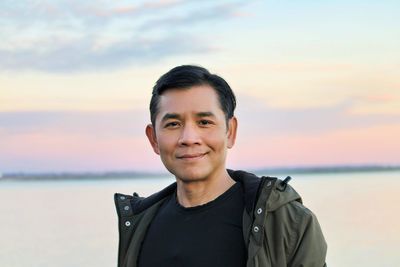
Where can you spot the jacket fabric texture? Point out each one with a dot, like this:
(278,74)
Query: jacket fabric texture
(278,230)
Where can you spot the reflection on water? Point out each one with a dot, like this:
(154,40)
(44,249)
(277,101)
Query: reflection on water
(74,223)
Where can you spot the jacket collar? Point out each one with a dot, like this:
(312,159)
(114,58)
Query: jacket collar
(250,182)
(251,185)
(139,204)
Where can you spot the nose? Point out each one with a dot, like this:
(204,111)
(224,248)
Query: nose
(189,135)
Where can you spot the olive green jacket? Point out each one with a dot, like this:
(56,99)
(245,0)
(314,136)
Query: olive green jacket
(278,230)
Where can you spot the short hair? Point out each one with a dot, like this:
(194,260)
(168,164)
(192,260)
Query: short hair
(186,76)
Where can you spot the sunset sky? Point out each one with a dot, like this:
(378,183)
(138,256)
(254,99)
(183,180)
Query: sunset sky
(317,82)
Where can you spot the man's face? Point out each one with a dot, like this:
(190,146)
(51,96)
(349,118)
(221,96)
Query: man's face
(191,134)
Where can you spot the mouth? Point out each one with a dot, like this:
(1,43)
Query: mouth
(191,156)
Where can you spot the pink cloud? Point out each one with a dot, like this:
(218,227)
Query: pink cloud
(381,97)
(267,137)
(69,152)
(372,145)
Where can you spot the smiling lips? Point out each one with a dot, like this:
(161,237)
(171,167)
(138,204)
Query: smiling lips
(191,156)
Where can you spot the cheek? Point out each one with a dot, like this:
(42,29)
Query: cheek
(166,143)
(217,142)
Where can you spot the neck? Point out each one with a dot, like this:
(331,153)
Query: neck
(197,193)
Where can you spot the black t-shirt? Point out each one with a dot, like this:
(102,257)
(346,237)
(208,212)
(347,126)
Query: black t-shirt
(207,235)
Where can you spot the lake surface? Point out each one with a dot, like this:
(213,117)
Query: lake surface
(74,223)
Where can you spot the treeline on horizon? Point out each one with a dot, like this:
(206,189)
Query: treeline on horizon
(133,174)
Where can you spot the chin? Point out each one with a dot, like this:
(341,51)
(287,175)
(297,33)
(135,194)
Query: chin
(189,175)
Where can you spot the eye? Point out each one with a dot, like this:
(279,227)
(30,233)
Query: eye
(205,122)
(172,124)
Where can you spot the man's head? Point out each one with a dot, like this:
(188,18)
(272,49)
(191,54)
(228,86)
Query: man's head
(187,76)
(192,123)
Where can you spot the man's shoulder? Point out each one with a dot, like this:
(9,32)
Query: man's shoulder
(294,214)
(287,208)
(135,204)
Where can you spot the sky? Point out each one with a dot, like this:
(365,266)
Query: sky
(317,82)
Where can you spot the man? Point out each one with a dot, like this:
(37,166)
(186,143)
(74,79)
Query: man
(211,216)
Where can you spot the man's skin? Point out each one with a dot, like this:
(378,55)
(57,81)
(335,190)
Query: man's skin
(192,137)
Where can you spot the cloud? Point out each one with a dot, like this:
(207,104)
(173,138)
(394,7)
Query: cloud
(140,9)
(84,55)
(68,36)
(255,116)
(187,20)
(118,123)
(26,10)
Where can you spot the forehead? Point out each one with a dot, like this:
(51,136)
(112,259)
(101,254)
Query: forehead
(194,99)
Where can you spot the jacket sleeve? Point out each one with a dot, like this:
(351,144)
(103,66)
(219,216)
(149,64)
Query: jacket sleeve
(309,249)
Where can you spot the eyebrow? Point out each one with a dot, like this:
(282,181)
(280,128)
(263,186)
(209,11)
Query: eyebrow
(170,116)
(177,116)
(205,114)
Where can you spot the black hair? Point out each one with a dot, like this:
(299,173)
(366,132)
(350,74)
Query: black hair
(186,76)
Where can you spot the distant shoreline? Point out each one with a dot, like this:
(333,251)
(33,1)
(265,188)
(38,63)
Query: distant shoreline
(328,169)
(113,175)
(62,176)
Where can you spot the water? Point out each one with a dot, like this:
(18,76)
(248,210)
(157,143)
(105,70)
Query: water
(74,223)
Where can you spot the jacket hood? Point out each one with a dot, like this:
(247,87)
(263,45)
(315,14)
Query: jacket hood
(281,192)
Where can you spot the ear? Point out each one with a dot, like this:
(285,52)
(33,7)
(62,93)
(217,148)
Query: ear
(151,135)
(232,129)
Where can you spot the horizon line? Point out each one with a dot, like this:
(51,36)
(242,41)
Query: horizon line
(135,174)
